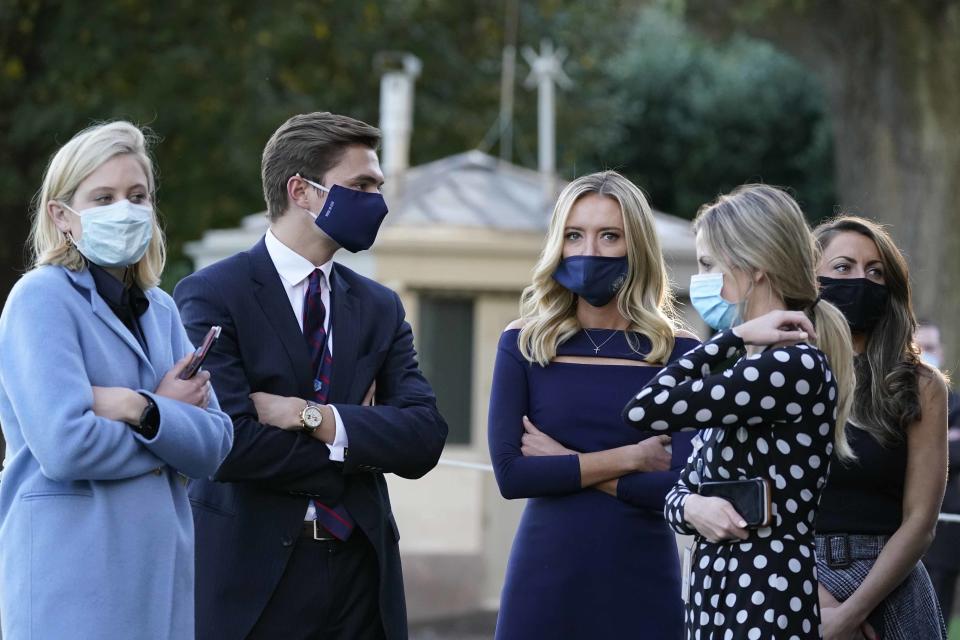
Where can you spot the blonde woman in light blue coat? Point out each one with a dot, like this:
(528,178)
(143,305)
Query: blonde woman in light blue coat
(96,533)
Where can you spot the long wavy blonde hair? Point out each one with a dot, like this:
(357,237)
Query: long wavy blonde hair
(69,167)
(760,228)
(548,310)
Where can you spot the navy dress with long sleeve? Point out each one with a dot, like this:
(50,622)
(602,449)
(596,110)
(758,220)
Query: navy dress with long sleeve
(584,564)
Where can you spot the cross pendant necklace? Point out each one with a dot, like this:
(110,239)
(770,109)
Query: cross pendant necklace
(596,347)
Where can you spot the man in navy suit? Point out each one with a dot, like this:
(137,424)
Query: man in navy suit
(315,364)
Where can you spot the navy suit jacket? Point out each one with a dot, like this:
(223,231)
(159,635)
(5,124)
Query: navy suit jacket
(249,515)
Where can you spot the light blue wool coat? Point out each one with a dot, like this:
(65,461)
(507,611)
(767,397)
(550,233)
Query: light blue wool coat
(96,533)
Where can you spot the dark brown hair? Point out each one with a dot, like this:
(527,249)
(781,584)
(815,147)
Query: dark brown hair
(887,397)
(310,144)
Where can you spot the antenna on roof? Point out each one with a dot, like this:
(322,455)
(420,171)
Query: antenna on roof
(546,69)
(508,72)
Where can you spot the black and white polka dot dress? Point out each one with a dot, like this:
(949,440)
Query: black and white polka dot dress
(770,415)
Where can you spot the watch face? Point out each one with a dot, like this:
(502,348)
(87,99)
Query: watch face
(312,417)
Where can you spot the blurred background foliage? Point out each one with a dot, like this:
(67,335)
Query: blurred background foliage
(684,117)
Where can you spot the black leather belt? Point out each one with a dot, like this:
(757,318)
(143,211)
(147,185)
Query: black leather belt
(838,550)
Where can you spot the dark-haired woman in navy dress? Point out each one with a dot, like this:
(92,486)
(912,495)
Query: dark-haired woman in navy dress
(593,556)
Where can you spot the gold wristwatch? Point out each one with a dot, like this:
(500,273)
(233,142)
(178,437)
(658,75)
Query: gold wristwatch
(311,417)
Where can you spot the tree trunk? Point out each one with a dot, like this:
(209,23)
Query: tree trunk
(891,70)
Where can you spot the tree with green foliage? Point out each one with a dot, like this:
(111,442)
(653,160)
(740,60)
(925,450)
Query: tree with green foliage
(213,80)
(891,73)
(695,118)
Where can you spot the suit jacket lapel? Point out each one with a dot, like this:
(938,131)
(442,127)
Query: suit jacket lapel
(272,298)
(345,336)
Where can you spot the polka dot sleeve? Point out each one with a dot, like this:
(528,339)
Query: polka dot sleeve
(767,387)
(673,505)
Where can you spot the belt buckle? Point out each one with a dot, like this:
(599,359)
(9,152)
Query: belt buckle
(320,534)
(833,562)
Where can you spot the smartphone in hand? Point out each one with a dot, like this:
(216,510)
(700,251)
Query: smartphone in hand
(200,354)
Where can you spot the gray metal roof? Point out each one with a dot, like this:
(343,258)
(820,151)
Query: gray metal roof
(471,189)
(474,189)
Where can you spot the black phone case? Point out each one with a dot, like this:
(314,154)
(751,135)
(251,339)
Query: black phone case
(751,498)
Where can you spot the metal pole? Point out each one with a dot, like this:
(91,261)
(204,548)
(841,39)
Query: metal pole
(507,79)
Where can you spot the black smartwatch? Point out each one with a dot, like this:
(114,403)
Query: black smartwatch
(149,419)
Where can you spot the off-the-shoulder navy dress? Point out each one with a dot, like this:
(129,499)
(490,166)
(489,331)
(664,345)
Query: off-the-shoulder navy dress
(584,564)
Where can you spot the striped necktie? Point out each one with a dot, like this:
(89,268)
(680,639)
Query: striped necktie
(314,316)
(334,519)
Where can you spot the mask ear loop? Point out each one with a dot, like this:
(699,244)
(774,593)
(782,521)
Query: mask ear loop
(318,187)
(67,234)
(315,185)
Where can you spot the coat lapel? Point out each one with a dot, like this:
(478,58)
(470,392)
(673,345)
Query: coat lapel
(158,327)
(272,298)
(84,280)
(345,337)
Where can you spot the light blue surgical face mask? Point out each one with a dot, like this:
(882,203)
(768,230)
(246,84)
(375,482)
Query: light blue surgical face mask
(705,297)
(115,235)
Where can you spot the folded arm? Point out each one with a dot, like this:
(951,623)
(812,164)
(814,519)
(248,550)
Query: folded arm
(193,440)
(528,462)
(649,489)
(404,432)
(520,476)
(280,460)
(52,397)
(759,389)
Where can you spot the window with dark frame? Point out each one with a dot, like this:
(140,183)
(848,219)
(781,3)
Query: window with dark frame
(445,346)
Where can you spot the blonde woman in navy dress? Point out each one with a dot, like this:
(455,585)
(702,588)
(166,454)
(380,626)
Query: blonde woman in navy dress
(771,414)
(593,557)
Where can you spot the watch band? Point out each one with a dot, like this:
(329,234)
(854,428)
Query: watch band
(303,422)
(149,422)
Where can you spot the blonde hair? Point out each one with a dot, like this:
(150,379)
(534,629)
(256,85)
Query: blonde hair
(548,310)
(70,166)
(760,228)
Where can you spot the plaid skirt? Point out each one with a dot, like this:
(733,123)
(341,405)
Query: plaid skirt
(910,612)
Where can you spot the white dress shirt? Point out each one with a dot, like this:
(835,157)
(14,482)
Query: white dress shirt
(294,272)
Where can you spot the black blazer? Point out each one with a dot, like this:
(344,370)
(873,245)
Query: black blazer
(247,517)
(944,553)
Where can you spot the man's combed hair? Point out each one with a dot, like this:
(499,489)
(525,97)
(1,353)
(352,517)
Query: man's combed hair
(310,144)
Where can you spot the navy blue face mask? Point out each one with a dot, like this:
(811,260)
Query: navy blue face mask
(596,279)
(351,218)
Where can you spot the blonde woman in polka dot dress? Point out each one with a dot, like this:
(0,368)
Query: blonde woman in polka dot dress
(767,393)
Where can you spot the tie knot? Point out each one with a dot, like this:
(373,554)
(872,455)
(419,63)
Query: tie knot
(315,279)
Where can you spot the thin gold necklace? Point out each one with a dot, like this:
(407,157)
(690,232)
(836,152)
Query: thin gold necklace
(596,347)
